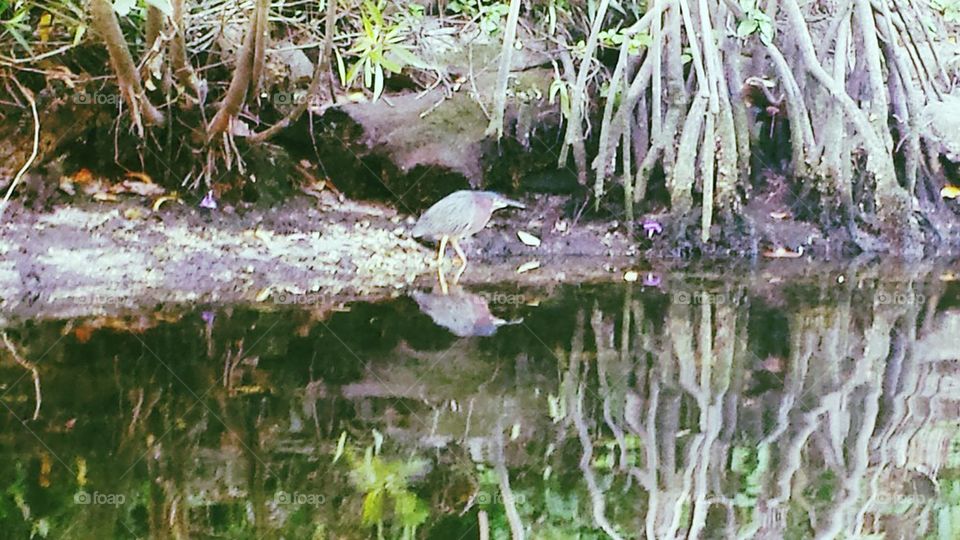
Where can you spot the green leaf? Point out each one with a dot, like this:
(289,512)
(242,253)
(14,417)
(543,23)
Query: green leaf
(739,458)
(390,63)
(410,510)
(372,508)
(340,446)
(377,436)
(746,27)
(341,69)
(368,82)
(409,59)
(40,528)
(20,39)
(78,34)
(377,82)
(352,73)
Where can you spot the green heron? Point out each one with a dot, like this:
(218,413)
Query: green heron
(459,215)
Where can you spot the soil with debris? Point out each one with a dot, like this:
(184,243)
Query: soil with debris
(85,259)
(92,256)
(96,258)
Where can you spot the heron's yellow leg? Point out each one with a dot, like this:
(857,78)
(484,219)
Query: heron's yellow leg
(463,258)
(443,281)
(443,247)
(456,246)
(456,277)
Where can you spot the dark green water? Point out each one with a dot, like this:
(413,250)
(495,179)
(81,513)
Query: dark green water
(789,410)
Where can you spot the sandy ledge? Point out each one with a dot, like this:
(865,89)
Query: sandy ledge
(110,258)
(92,258)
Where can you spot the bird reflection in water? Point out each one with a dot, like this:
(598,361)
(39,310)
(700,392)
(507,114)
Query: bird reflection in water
(462,313)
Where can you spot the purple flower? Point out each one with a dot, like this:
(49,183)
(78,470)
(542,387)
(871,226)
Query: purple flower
(208,317)
(651,280)
(652,227)
(208,201)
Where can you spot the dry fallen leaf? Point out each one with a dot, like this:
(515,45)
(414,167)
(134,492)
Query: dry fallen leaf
(141,176)
(249,389)
(773,364)
(528,266)
(239,128)
(133,213)
(104,196)
(81,467)
(83,333)
(528,239)
(631,276)
(159,202)
(950,192)
(83,176)
(263,294)
(780,216)
(66,185)
(783,253)
(44,27)
(315,188)
(46,464)
(95,186)
(61,73)
(144,189)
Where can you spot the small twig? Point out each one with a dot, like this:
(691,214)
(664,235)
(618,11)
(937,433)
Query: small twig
(432,107)
(473,83)
(34,59)
(29,367)
(36,145)
(136,412)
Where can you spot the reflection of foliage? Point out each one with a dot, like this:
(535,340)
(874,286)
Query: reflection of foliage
(556,509)
(750,465)
(824,488)
(607,459)
(947,506)
(14,504)
(379,479)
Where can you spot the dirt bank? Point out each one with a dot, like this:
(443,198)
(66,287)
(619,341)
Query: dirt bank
(91,258)
(93,255)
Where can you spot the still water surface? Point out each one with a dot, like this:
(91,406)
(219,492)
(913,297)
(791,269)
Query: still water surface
(814,409)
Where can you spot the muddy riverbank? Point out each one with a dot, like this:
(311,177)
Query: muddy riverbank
(107,258)
(86,258)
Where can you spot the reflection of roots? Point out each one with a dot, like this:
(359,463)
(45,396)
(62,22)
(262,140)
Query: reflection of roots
(687,409)
(29,367)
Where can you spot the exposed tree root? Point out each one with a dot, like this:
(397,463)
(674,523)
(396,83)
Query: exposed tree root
(246,72)
(839,133)
(104,22)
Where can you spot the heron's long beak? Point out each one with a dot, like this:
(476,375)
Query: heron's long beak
(510,202)
(503,322)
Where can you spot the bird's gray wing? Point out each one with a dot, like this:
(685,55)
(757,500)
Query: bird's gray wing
(450,216)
